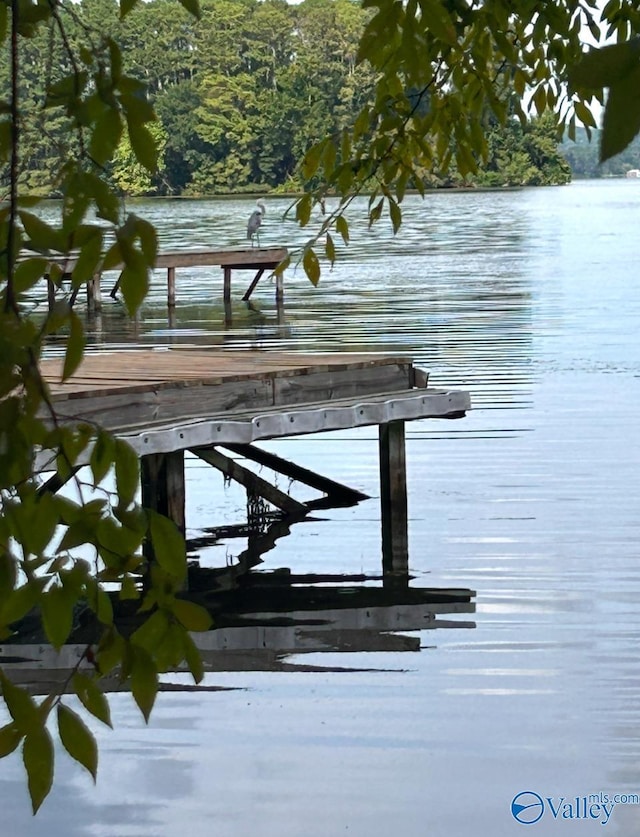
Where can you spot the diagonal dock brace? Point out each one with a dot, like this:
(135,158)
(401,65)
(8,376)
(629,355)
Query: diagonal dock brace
(252,482)
(337,494)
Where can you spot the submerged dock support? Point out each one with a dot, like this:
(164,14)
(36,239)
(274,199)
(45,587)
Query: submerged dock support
(163,487)
(393,498)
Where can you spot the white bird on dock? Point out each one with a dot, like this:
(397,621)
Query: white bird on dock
(253,227)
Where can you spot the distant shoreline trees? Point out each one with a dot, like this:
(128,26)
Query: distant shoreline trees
(240,95)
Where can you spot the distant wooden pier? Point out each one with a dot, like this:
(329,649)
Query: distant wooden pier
(258,259)
(169,401)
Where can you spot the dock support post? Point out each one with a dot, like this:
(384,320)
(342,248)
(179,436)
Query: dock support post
(94,301)
(279,288)
(226,294)
(163,485)
(393,498)
(171,287)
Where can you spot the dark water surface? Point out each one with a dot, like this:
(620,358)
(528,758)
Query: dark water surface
(530,300)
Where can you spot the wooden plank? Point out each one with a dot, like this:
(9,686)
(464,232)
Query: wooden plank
(393,498)
(249,427)
(336,383)
(335,490)
(253,284)
(251,481)
(242,257)
(122,369)
(118,411)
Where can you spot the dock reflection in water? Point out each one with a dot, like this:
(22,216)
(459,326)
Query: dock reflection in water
(263,618)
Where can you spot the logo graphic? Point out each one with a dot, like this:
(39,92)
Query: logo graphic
(527,807)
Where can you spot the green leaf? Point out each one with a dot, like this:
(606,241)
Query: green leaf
(192,6)
(99,601)
(19,603)
(129,589)
(168,545)
(41,235)
(144,681)
(10,737)
(126,6)
(330,249)
(151,634)
(28,273)
(88,260)
(284,264)
(540,99)
(311,160)
(127,471)
(143,145)
(37,754)
(621,121)
(584,114)
(134,284)
(193,658)
(106,136)
(77,740)
(342,226)
(148,240)
(3,21)
(92,697)
(395,214)
(57,615)
(605,66)
(102,455)
(303,209)
(193,616)
(311,266)
(376,212)
(8,575)
(111,651)
(22,707)
(439,23)
(75,346)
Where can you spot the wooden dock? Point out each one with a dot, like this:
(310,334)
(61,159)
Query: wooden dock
(165,402)
(259,259)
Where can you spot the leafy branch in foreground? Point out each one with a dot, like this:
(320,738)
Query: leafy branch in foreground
(450,70)
(67,560)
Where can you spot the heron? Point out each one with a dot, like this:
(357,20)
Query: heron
(253,227)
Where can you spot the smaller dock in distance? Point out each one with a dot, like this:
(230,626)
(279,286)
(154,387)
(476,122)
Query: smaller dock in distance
(166,402)
(258,259)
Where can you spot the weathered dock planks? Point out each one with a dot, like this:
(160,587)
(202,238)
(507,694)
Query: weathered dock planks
(175,399)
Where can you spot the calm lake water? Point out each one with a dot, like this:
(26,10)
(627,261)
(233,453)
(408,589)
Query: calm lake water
(530,300)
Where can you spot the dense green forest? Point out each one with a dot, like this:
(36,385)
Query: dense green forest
(240,95)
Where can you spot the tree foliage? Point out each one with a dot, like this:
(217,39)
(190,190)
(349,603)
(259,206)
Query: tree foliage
(241,94)
(58,552)
(446,72)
